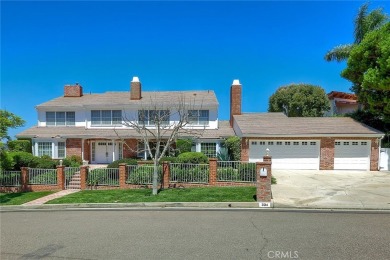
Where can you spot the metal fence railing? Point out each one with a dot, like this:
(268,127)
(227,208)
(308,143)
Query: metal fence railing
(103,177)
(189,173)
(42,176)
(10,178)
(235,171)
(142,174)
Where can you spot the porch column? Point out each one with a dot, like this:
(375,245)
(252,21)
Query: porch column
(113,149)
(82,149)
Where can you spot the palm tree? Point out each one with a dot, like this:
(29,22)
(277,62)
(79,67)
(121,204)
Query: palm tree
(364,22)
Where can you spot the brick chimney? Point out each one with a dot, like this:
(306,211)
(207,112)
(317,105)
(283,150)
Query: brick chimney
(73,90)
(235,100)
(135,89)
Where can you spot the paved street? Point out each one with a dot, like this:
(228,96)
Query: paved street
(332,189)
(193,234)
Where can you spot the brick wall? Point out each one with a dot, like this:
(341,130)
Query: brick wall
(130,148)
(73,91)
(327,153)
(87,150)
(374,159)
(135,90)
(73,147)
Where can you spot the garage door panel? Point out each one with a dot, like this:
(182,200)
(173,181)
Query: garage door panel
(352,155)
(287,154)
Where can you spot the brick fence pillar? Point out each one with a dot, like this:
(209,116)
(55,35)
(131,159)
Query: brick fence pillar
(83,177)
(24,178)
(61,177)
(263,183)
(166,174)
(213,171)
(123,174)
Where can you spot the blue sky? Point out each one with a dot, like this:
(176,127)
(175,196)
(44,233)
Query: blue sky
(170,46)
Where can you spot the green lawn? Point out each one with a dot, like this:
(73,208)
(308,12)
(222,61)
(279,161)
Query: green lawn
(21,197)
(208,194)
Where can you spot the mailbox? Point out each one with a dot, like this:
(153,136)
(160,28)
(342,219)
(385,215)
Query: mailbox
(263,172)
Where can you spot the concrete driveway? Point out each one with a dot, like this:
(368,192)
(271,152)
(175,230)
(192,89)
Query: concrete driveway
(331,189)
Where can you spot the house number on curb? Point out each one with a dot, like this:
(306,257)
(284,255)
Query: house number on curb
(264,204)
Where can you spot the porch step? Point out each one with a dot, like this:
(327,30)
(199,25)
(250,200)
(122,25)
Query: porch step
(74,183)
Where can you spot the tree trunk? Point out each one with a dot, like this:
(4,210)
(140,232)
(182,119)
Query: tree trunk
(155,177)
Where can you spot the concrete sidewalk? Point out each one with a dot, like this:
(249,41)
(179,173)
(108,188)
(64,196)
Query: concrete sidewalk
(331,189)
(53,196)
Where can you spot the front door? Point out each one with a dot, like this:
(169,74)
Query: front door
(104,152)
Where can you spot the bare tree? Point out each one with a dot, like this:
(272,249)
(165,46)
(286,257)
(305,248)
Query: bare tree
(161,124)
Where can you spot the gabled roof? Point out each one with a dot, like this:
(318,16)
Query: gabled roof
(224,130)
(279,125)
(122,100)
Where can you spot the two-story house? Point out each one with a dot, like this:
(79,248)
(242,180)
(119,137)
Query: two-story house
(93,126)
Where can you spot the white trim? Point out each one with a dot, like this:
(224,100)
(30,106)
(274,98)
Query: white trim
(312,135)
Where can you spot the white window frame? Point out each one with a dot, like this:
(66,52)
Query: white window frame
(195,117)
(53,147)
(66,118)
(106,118)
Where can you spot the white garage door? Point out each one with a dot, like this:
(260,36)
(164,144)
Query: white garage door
(352,155)
(289,154)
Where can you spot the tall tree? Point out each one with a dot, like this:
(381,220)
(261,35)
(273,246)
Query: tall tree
(8,120)
(365,22)
(159,125)
(299,100)
(368,68)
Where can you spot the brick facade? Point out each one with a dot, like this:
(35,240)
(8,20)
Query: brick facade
(73,147)
(73,91)
(327,153)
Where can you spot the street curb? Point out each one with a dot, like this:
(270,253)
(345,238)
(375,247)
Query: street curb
(179,205)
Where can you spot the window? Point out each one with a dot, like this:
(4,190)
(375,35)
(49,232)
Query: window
(346,143)
(120,155)
(61,149)
(44,148)
(209,149)
(254,143)
(355,143)
(93,151)
(106,117)
(337,143)
(60,118)
(261,143)
(270,143)
(304,143)
(198,117)
(313,143)
(278,143)
(287,143)
(363,143)
(154,117)
(295,143)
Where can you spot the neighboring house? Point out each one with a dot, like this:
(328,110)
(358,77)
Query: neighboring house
(342,103)
(324,143)
(91,125)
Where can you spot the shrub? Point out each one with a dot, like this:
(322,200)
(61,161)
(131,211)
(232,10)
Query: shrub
(192,157)
(144,175)
(183,145)
(6,161)
(19,146)
(233,145)
(44,162)
(247,172)
(45,178)
(23,159)
(128,161)
(168,159)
